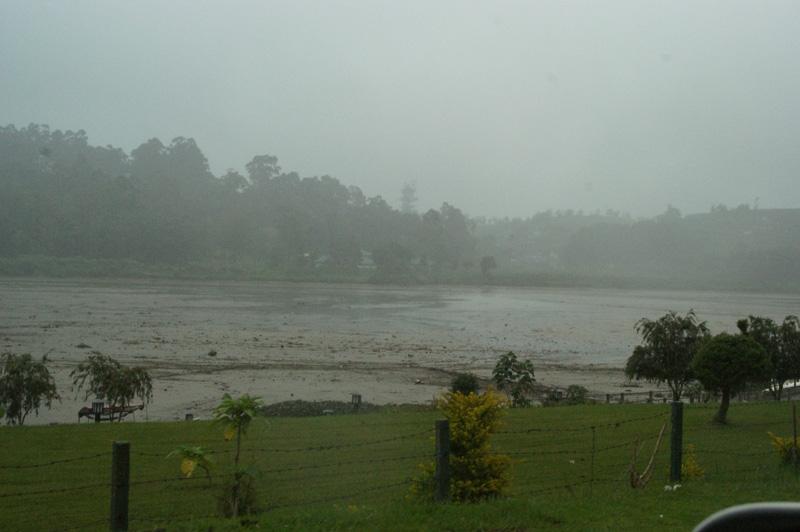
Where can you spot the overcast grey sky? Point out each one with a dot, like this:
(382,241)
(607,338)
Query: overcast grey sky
(499,108)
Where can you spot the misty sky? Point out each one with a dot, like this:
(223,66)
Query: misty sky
(499,108)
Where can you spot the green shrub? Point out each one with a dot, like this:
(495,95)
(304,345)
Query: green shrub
(576,395)
(466,383)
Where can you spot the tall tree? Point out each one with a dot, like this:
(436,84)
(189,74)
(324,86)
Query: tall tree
(789,332)
(668,346)
(778,341)
(263,169)
(408,198)
(726,363)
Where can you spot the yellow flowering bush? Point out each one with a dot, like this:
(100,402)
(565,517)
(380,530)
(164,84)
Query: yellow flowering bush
(690,469)
(475,472)
(784,446)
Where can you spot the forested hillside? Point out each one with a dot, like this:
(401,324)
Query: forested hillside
(61,197)
(161,207)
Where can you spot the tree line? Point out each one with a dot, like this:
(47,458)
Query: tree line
(61,197)
(161,205)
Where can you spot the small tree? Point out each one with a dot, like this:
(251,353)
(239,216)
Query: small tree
(112,382)
(669,345)
(235,416)
(515,378)
(24,386)
(465,383)
(726,363)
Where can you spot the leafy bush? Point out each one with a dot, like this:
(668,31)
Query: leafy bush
(465,383)
(475,473)
(576,395)
(514,377)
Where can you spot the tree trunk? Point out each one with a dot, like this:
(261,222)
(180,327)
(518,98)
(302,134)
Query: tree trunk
(676,394)
(723,407)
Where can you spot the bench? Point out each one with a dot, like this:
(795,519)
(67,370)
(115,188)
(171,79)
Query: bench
(109,413)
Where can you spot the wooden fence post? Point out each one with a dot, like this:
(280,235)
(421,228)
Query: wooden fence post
(442,460)
(120,485)
(676,442)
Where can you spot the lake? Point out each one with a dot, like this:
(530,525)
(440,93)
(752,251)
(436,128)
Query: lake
(302,334)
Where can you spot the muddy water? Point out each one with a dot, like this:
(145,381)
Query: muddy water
(202,339)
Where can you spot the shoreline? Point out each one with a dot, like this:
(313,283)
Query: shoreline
(197,391)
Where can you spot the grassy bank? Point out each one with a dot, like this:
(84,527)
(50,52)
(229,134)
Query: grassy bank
(352,472)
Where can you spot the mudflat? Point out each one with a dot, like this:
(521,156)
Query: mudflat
(284,341)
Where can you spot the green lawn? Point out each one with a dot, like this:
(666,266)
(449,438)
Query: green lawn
(353,472)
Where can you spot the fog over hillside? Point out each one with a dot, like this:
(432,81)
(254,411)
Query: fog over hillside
(500,108)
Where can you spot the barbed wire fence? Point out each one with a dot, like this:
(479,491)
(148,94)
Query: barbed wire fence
(576,459)
(349,473)
(726,452)
(548,462)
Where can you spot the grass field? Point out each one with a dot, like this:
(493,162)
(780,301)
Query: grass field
(352,472)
